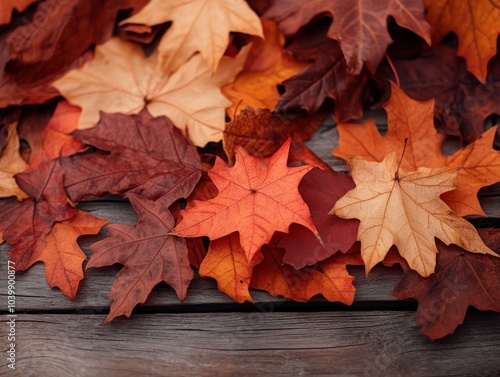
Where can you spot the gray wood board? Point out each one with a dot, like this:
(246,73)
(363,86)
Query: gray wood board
(377,343)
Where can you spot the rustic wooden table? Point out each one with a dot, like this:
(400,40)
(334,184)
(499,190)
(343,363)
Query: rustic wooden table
(209,334)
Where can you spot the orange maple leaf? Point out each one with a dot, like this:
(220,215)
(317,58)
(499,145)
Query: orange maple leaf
(11,163)
(478,163)
(257,196)
(330,279)
(476,24)
(227,263)
(267,66)
(62,256)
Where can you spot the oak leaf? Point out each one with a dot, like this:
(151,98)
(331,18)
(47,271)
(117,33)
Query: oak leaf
(62,256)
(227,263)
(25,225)
(121,79)
(478,163)
(476,24)
(11,163)
(359,25)
(260,192)
(461,279)
(256,85)
(147,156)
(330,279)
(320,190)
(148,253)
(402,208)
(197,26)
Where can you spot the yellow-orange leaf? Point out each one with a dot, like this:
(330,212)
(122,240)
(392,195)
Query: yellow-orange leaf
(257,197)
(256,85)
(226,262)
(475,22)
(402,208)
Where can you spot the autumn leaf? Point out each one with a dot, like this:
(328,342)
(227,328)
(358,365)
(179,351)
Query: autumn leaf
(320,190)
(147,156)
(261,192)
(62,256)
(44,45)
(331,279)
(121,79)
(148,253)
(197,26)
(478,163)
(261,133)
(11,163)
(8,6)
(359,25)
(256,86)
(326,77)
(25,225)
(462,103)
(227,263)
(402,208)
(476,24)
(461,279)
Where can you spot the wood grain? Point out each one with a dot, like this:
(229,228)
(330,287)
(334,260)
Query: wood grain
(378,343)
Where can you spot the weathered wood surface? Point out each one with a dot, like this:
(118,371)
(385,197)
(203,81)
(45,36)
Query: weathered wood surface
(209,334)
(377,343)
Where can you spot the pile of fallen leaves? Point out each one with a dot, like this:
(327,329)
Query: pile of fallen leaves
(133,98)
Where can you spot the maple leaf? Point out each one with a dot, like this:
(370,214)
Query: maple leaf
(197,26)
(256,85)
(121,79)
(462,103)
(146,156)
(11,163)
(25,225)
(227,263)
(331,279)
(476,24)
(402,208)
(479,163)
(148,253)
(62,256)
(320,190)
(461,279)
(8,6)
(261,192)
(359,25)
(326,77)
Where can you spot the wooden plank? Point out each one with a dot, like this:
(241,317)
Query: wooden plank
(378,343)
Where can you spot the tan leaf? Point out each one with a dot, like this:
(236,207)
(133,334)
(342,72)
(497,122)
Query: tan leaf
(121,79)
(197,26)
(404,209)
(11,163)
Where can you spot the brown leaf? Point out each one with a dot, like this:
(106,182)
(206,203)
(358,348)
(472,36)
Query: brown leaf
(148,253)
(359,25)
(11,163)
(146,156)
